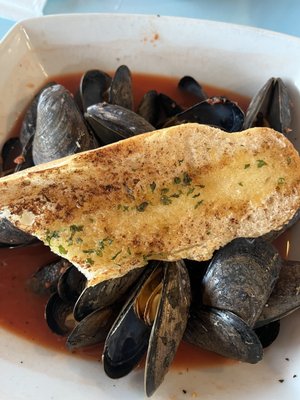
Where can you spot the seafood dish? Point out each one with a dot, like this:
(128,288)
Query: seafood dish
(162,218)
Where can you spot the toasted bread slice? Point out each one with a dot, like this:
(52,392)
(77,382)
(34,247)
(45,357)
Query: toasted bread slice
(180,192)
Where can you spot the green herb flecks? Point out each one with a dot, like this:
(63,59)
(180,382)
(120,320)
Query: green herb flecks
(196,195)
(62,250)
(129,251)
(281,181)
(190,191)
(246,166)
(241,184)
(260,163)
(177,180)
(165,200)
(198,204)
(152,186)
(74,229)
(180,161)
(288,160)
(90,261)
(142,207)
(116,255)
(51,235)
(164,190)
(186,179)
(123,207)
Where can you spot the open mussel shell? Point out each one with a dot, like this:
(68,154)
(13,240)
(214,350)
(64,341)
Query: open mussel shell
(216,111)
(241,277)
(10,150)
(44,281)
(93,328)
(189,85)
(224,333)
(71,284)
(10,235)
(60,128)
(149,107)
(127,341)
(104,294)
(93,87)
(169,324)
(120,91)
(267,334)
(131,335)
(112,123)
(285,297)
(270,107)
(59,315)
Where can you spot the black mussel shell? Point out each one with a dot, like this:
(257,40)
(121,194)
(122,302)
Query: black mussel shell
(93,328)
(10,235)
(149,107)
(10,150)
(271,107)
(120,91)
(127,341)
(112,123)
(104,294)
(70,284)
(268,333)
(59,316)
(29,122)
(216,111)
(60,128)
(45,279)
(93,87)
(189,85)
(241,277)
(169,324)
(224,333)
(285,297)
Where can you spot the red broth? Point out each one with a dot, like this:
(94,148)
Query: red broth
(21,311)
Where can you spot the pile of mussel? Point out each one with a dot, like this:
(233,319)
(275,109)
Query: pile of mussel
(231,304)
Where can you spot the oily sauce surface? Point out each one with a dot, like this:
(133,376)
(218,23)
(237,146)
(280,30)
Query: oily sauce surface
(21,311)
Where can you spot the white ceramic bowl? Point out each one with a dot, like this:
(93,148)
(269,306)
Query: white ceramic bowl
(229,56)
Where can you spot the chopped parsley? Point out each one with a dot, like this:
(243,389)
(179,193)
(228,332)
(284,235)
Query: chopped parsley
(260,163)
(165,200)
(177,180)
(90,261)
(198,204)
(62,250)
(116,255)
(152,186)
(51,235)
(142,207)
(186,179)
(281,181)
(246,166)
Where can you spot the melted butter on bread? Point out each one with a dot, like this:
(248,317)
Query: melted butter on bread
(180,192)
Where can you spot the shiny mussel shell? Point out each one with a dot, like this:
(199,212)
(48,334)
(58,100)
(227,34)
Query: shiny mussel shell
(132,335)
(241,277)
(60,128)
(271,107)
(224,333)
(285,297)
(104,294)
(216,111)
(120,91)
(112,123)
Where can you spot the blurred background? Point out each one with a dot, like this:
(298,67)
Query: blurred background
(280,15)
